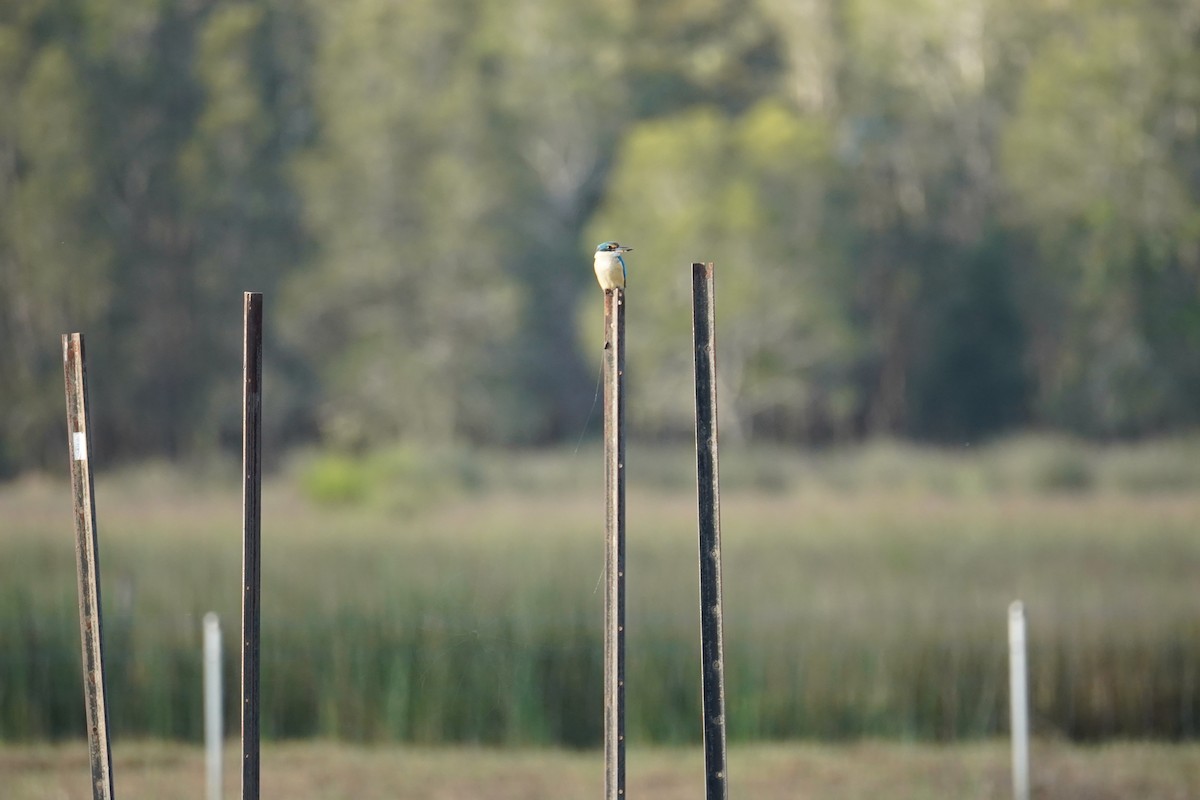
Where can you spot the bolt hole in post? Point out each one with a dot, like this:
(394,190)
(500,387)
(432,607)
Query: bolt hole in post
(712,650)
(614,534)
(87,562)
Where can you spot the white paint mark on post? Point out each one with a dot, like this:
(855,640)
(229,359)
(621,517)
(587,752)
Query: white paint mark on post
(79,445)
(1019,700)
(214,728)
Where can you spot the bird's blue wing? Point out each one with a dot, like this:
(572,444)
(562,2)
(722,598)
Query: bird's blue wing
(624,275)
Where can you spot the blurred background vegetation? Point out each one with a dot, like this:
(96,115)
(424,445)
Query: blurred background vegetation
(935,222)
(459,599)
(932,219)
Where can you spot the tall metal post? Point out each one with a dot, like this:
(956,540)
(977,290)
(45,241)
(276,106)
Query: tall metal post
(87,562)
(712,649)
(614,531)
(251,536)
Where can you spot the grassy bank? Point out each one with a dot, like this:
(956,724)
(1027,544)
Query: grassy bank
(865,596)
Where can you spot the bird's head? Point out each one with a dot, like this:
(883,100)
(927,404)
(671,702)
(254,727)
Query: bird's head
(612,247)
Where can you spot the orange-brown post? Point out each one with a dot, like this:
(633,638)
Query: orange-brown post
(87,562)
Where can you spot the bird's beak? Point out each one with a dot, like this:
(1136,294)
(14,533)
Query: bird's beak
(624,249)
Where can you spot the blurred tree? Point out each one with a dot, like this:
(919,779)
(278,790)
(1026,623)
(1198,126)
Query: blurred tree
(190,129)
(1104,163)
(915,124)
(917,93)
(687,53)
(243,216)
(969,378)
(750,195)
(941,218)
(145,167)
(556,75)
(464,147)
(409,312)
(54,260)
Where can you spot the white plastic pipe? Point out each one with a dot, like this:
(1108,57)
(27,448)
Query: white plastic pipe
(214,732)
(1019,699)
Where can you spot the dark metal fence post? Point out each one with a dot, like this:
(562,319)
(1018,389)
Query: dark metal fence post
(614,531)
(708,492)
(87,562)
(251,536)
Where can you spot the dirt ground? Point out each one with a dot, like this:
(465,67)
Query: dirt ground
(327,771)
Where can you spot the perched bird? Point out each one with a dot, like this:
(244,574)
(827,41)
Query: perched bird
(610,266)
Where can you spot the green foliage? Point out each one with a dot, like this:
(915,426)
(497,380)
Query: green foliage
(335,480)
(55,263)
(1098,155)
(145,172)
(409,311)
(969,379)
(931,219)
(747,193)
(404,478)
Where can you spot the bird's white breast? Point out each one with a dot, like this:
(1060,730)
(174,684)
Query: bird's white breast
(609,271)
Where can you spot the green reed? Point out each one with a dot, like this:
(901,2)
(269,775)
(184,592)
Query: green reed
(855,610)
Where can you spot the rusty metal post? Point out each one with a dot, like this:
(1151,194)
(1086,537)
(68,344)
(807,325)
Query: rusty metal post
(251,535)
(712,649)
(87,561)
(614,533)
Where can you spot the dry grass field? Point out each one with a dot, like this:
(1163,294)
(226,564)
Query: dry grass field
(863,771)
(865,597)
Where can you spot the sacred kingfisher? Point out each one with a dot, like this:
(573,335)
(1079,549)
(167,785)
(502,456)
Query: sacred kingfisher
(610,266)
